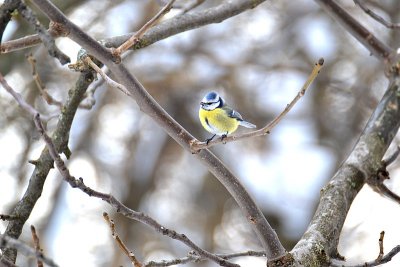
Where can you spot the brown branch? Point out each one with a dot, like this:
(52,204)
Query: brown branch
(135,38)
(36,245)
(148,105)
(121,244)
(381,250)
(195,146)
(362,34)
(376,17)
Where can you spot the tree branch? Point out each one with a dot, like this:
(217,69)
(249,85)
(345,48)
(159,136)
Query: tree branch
(319,242)
(148,105)
(364,36)
(376,17)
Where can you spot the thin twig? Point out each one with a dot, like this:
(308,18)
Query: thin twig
(36,244)
(381,250)
(196,145)
(385,259)
(135,38)
(376,182)
(9,242)
(39,83)
(135,262)
(376,17)
(389,160)
(194,257)
(107,79)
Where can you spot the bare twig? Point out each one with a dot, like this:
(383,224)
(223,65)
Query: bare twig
(381,259)
(36,245)
(107,79)
(46,38)
(121,244)
(9,242)
(381,250)
(41,87)
(196,145)
(389,160)
(375,16)
(135,38)
(17,96)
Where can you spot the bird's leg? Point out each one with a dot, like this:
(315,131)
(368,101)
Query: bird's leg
(223,137)
(209,139)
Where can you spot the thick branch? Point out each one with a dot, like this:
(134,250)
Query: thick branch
(320,241)
(147,104)
(167,28)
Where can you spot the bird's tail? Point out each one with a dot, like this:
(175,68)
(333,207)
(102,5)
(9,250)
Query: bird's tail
(247,124)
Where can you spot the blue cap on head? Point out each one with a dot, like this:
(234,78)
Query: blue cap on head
(211,97)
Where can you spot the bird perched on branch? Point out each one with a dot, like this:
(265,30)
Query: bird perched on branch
(218,118)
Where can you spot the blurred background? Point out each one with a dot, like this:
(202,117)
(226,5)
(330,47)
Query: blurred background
(258,62)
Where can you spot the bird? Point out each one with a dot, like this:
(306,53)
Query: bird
(218,118)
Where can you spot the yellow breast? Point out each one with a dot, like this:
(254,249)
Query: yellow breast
(217,121)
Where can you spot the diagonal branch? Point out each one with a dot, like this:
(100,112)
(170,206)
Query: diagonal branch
(322,235)
(148,105)
(362,34)
(376,17)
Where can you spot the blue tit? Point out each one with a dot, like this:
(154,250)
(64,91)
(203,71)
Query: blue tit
(218,118)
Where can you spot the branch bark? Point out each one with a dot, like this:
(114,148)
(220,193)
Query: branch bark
(319,242)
